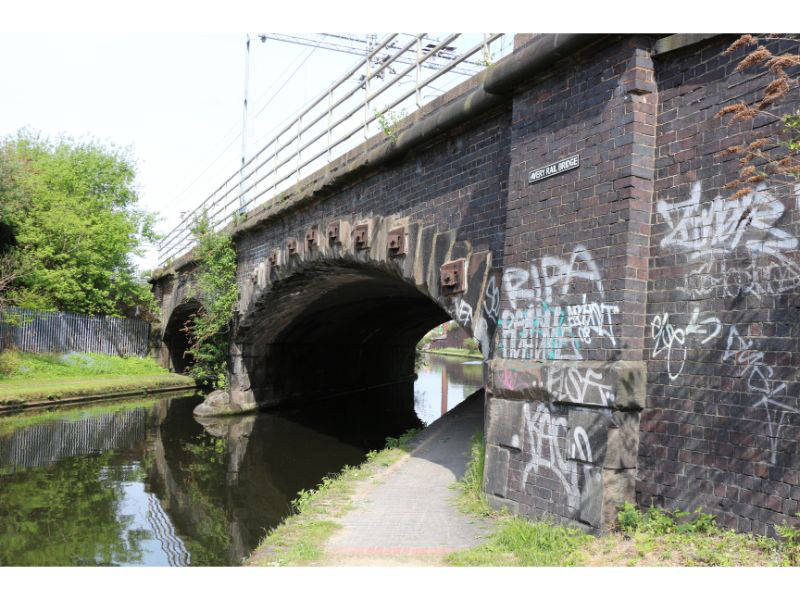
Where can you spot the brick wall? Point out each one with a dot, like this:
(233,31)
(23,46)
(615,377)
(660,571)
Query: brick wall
(722,424)
(568,379)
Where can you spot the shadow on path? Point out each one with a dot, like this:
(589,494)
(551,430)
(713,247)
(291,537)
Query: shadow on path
(407,515)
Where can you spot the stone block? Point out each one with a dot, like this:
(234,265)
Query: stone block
(588,434)
(590,510)
(498,503)
(618,488)
(613,384)
(623,441)
(495,472)
(505,423)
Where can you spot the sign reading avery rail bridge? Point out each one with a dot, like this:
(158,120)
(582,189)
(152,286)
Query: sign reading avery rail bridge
(567,164)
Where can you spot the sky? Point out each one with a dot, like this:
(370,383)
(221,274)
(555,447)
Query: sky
(166,80)
(175,100)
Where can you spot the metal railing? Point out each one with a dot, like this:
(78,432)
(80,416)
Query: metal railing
(390,85)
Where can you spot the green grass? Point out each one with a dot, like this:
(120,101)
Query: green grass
(456,352)
(522,543)
(658,537)
(27,377)
(30,366)
(300,539)
(472,500)
(652,537)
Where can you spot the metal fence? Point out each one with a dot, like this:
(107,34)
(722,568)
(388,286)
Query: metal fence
(36,331)
(400,74)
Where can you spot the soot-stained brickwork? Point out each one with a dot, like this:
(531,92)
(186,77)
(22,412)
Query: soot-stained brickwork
(639,326)
(723,420)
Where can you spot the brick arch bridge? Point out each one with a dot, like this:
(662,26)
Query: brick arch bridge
(639,326)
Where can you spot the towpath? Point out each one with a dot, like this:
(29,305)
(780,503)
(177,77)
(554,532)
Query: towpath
(407,514)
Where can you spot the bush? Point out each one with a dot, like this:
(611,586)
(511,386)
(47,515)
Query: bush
(658,521)
(471,344)
(10,361)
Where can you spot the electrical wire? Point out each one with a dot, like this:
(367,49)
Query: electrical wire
(236,125)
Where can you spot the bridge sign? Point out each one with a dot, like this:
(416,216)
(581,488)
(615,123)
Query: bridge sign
(556,168)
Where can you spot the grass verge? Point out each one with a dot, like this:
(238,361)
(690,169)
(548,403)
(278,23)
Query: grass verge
(26,377)
(653,537)
(30,391)
(456,352)
(300,539)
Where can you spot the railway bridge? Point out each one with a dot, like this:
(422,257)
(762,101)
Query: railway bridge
(566,206)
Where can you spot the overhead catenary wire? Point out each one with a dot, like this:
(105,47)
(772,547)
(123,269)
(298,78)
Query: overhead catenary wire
(237,127)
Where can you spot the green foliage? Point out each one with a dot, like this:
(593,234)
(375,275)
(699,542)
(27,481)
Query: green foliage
(790,543)
(791,124)
(471,344)
(399,442)
(67,514)
(32,366)
(389,121)
(70,212)
(486,57)
(10,361)
(657,521)
(215,287)
(472,499)
(519,542)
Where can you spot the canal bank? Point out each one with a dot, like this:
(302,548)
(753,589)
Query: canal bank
(398,508)
(37,380)
(159,486)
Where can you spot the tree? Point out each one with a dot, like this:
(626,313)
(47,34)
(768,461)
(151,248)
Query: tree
(774,155)
(70,212)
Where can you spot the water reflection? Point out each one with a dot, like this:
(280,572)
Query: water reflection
(147,484)
(443,383)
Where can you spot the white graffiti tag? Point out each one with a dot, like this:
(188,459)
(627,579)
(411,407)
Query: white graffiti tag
(543,434)
(723,225)
(759,382)
(463,312)
(578,385)
(537,328)
(666,338)
(491,303)
(553,276)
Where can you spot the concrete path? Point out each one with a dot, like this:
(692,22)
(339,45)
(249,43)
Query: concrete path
(407,515)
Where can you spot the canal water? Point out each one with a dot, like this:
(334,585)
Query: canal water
(146,483)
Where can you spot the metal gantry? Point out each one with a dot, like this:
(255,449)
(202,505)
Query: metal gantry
(383,86)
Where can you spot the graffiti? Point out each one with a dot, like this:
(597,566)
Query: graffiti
(759,382)
(578,385)
(538,333)
(553,332)
(722,226)
(553,276)
(667,337)
(509,380)
(701,282)
(592,318)
(762,276)
(463,312)
(767,277)
(564,383)
(491,303)
(543,434)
